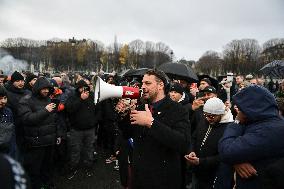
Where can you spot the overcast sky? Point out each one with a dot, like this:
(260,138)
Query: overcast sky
(189,27)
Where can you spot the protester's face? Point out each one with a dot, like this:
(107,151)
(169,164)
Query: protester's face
(242,85)
(2,81)
(212,118)
(282,86)
(281,113)
(151,87)
(32,82)
(207,95)
(79,77)
(58,81)
(239,80)
(175,96)
(202,85)
(227,85)
(241,117)
(19,84)
(110,80)
(183,83)
(3,101)
(62,75)
(89,84)
(44,92)
(253,81)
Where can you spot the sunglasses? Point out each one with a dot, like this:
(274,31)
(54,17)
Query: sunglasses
(210,116)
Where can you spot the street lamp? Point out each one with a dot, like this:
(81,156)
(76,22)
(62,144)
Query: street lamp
(73,42)
(172,53)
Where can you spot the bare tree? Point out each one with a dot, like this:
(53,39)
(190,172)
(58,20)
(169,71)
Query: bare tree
(210,63)
(241,56)
(136,49)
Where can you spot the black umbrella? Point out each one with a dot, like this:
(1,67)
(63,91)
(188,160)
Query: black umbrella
(136,72)
(179,71)
(274,69)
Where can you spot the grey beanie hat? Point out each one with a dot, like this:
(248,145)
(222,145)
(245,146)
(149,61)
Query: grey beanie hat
(214,106)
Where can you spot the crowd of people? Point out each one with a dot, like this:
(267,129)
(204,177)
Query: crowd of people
(178,135)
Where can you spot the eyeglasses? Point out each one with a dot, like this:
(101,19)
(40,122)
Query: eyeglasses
(210,116)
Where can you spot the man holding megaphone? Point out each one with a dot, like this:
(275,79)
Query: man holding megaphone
(159,130)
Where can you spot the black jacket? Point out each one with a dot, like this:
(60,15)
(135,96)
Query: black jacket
(156,152)
(82,113)
(108,114)
(208,152)
(14,95)
(40,126)
(272,176)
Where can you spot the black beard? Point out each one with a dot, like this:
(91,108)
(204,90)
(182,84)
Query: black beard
(43,95)
(144,101)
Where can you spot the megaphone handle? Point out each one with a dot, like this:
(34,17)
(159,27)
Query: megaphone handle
(98,93)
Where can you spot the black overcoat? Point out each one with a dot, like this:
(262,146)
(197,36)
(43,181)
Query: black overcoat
(156,152)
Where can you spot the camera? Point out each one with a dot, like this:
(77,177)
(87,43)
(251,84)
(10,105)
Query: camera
(86,89)
(199,94)
(56,102)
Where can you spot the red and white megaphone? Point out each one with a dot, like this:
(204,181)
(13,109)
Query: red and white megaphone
(104,91)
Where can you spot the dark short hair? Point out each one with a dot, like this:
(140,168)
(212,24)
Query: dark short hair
(207,80)
(3,91)
(159,74)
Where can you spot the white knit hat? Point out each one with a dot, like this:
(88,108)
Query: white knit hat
(214,106)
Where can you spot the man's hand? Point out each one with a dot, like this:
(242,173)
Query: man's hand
(197,103)
(194,91)
(142,118)
(122,106)
(190,155)
(50,107)
(85,95)
(245,170)
(236,109)
(58,140)
(117,153)
(192,158)
(228,105)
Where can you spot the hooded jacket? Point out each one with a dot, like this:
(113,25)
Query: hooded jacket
(260,140)
(40,126)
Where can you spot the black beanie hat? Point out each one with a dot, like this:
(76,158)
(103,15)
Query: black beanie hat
(16,76)
(3,91)
(177,87)
(53,83)
(80,84)
(30,77)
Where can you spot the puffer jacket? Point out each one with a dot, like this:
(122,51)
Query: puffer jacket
(40,126)
(259,141)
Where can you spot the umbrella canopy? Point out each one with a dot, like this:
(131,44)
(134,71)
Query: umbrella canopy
(179,71)
(274,69)
(136,72)
(123,72)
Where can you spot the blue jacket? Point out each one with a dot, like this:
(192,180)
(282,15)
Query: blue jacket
(260,140)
